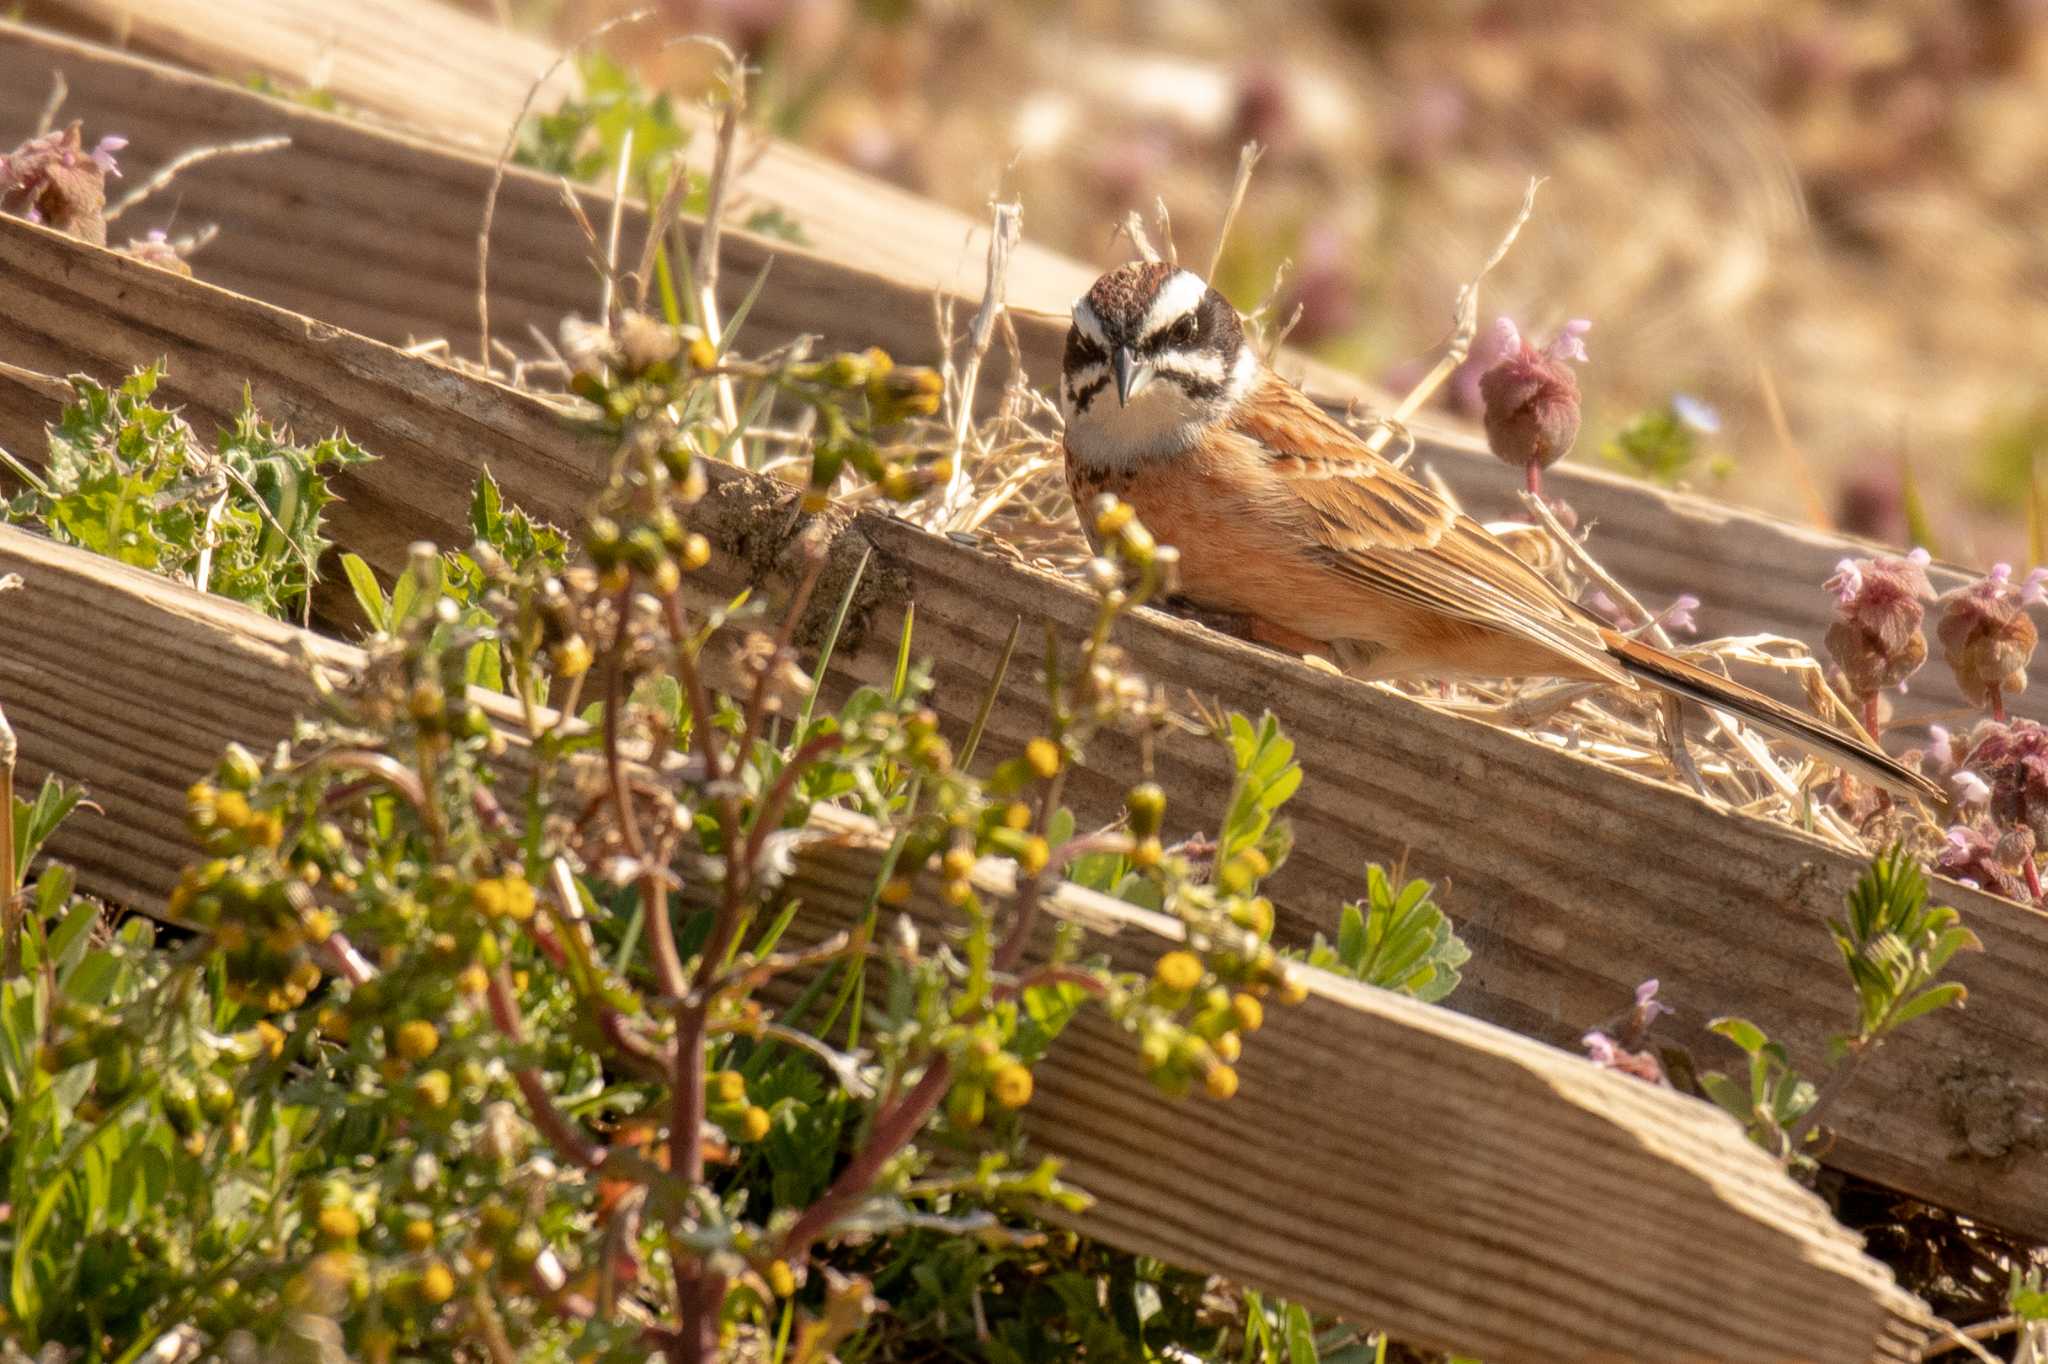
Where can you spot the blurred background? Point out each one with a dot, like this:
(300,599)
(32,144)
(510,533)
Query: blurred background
(1812,236)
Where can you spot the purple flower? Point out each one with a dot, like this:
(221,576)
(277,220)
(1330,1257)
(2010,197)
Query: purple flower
(1987,637)
(1970,788)
(1600,1048)
(1678,616)
(1648,1006)
(103,153)
(1531,398)
(1877,641)
(1940,747)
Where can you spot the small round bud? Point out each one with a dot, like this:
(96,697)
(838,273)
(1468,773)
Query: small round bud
(1044,757)
(1179,971)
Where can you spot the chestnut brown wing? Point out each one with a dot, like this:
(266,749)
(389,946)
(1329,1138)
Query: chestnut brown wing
(1391,534)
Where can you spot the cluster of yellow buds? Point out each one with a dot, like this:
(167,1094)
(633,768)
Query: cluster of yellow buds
(659,550)
(726,1103)
(983,1070)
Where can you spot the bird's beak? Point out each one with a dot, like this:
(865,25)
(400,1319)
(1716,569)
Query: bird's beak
(1132,375)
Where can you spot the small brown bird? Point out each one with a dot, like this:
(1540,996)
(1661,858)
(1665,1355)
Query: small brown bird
(1284,518)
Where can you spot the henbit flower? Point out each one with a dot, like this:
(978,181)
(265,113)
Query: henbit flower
(1973,856)
(53,180)
(1987,637)
(1970,788)
(1605,1052)
(1941,747)
(1678,616)
(1648,1006)
(1877,641)
(1531,398)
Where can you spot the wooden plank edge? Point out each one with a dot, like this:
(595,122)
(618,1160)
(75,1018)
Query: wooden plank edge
(1517,1175)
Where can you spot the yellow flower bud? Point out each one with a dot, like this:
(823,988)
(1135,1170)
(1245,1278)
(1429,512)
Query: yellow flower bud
(1017,815)
(339,1224)
(1251,1015)
(703,355)
(1112,518)
(696,552)
(1229,1046)
(1179,971)
(437,1284)
(730,1086)
(1220,1082)
(781,1281)
(1011,1085)
(895,891)
(958,863)
(754,1123)
(1044,757)
(419,1234)
(1147,853)
(417,1039)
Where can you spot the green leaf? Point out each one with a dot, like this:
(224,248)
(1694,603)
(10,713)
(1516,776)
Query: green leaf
(1944,996)
(1741,1032)
(363,581)
(1301,1336)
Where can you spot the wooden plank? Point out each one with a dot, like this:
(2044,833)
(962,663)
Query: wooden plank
(1572,881)
(459,79)
(1388,1161)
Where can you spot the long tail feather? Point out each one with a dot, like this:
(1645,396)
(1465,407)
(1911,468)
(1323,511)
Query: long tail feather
(1822,741)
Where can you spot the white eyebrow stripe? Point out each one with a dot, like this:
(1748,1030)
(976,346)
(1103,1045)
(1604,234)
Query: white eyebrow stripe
(1089,324)
(1195,366)
(1179,296)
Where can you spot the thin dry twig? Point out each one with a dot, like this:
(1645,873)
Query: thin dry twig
(483,235)
(1247,159)
(1465,314)
(60,90)
(186,160)
(1004,233)
(611,238)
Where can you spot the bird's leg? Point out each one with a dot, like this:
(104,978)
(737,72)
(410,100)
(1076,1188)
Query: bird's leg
(1532,475)
(1997,704)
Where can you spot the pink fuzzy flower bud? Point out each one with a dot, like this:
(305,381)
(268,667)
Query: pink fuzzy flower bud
(1531,399)
(1876,640)
(1987,636)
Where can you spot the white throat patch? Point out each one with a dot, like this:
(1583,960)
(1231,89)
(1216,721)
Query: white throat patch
(1162,419)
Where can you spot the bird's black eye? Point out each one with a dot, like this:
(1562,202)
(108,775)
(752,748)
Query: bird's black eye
(1184,331)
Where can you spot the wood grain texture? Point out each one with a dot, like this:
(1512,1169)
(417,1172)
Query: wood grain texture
(1388,1161)
(1572,881)
(375,232)
(461,80)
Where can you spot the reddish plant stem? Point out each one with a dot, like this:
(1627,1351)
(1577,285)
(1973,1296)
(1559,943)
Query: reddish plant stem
(668,965)
(564,1136)
(703,733)
(699,1295)
(2033,876)
(1052,975)
(1998,704)
(892,1132)
(769,816)
(1532,478)
(1870,714)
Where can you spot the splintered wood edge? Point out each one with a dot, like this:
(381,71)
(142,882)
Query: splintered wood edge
(1391,1162)
(1587,880)
(334,195)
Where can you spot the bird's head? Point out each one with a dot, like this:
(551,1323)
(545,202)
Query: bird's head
(1154,356)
